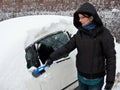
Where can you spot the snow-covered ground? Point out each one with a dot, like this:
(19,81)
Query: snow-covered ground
(13,33)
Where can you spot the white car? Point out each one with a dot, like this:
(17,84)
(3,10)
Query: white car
(61,75)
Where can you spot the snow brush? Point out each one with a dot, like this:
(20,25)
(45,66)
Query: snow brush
(37,72)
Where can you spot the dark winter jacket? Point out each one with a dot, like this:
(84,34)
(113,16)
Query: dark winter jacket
(96,53)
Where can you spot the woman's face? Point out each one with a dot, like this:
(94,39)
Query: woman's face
(85,20)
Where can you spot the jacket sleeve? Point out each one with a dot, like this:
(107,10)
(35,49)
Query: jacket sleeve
(110,56)
(66,49)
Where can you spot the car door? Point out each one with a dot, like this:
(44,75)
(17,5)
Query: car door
(62,73)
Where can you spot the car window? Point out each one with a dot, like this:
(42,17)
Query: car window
(32,57)
(55,40)
(51,43)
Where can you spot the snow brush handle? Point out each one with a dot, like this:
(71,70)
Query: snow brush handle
(37,72)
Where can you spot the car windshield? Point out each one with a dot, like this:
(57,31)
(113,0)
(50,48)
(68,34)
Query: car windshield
(55,40)
(51,43)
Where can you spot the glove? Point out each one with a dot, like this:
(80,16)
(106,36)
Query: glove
(108,86)
(49,62)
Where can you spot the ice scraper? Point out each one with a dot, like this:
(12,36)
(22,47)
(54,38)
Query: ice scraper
(37,72)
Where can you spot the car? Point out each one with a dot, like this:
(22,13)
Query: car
(61,75)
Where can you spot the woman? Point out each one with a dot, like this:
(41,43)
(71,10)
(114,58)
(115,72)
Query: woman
(95,45)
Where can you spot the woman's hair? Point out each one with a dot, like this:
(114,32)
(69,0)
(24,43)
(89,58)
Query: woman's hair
(85,14)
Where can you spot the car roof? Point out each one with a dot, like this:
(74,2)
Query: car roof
(37,33)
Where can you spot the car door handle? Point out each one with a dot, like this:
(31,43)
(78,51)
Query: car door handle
(63,60)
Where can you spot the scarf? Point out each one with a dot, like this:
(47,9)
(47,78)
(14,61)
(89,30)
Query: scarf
(90,26)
